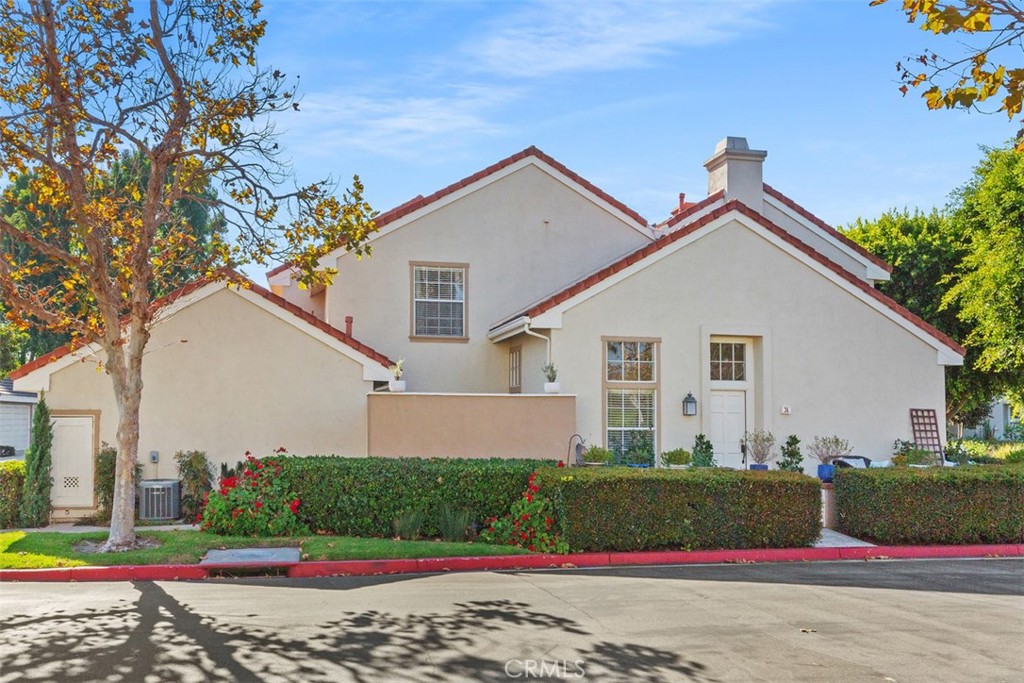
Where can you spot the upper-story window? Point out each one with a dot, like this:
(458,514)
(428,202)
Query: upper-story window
(439,301)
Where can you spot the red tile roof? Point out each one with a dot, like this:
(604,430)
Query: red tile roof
(691,209)
(334,332)
(827,228)
(418,202)
(734,205)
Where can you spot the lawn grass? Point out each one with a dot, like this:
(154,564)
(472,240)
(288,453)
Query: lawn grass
(41,549)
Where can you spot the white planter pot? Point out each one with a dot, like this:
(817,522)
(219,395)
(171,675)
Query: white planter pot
(552,387)
(396,386)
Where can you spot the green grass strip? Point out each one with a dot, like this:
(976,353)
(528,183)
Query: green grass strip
(43,550)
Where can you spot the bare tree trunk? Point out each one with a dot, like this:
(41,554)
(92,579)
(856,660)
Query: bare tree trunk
(125,367)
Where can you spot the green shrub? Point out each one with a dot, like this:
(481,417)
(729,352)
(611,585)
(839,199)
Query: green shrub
(639,452)
(454,523)
(1003,451)
(12,481)
(792,459)
(703,452)
(261,501)
(196,477)
(35,498)
(530,524)
(106,462)
(409,524)
(363,496)
(676,456)
(598,454)
(948,505)
(602,509)
(1016,456)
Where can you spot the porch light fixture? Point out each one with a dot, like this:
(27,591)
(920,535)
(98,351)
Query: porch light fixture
(689,405)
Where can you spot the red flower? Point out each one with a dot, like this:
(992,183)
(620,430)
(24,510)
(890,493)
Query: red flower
(561,464)
(548,521)
(235,513)
(529,498)
(259,504)
(531,548)
(294,506)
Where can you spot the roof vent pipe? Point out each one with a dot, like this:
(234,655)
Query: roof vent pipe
(348,325)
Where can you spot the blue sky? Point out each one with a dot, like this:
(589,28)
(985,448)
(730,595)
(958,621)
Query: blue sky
(415,95)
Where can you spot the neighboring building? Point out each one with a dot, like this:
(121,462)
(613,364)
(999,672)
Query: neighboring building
(1000,423)
(765,314)
(15,417)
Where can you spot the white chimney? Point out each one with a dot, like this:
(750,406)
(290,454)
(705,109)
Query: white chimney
(737,169)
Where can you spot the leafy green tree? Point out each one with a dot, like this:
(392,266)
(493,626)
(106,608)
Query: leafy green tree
(35,500)
(988,289)
(206,224)
(925,250)
(176,83)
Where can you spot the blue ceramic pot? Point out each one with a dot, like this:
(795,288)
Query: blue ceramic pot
(826,472)
(756,466)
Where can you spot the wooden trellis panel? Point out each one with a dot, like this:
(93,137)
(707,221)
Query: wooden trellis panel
(925,425)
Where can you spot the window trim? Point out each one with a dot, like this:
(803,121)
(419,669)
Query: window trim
(654,386)
(412,302)
(748,359)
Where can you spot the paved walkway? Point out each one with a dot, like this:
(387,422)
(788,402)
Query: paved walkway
(833,539)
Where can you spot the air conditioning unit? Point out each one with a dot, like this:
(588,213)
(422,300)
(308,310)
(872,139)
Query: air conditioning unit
(159,499)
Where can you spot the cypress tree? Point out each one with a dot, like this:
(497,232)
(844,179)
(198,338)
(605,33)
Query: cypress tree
(35,502)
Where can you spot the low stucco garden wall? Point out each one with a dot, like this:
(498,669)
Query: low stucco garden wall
(470,425)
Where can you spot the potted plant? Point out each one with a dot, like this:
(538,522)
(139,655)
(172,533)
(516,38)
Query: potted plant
(397,385)
(676,459)
(759,444)
(826,449)
(640,452)
(595,456)
(551,374)
(792,460)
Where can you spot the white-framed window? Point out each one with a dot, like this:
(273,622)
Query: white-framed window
(631,394)
(728,361)
(515,370)
(439,301)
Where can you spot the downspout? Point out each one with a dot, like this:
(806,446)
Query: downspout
(527,330)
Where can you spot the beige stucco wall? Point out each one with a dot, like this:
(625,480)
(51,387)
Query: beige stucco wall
(842,367)
(523,236)
(244,380)
(470,425)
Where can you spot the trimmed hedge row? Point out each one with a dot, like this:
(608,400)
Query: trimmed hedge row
(603,509)
(941,505)
(12,482)
(364,496)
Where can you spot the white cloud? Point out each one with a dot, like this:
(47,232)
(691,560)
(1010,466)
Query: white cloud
(398,125)
(554,36)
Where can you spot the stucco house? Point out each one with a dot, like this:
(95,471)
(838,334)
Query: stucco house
(745,300)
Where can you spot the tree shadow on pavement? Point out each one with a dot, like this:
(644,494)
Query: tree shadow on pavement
(160,639)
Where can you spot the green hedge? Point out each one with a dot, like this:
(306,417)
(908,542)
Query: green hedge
(942,505)
(364,496)
(647,509)
(12,481)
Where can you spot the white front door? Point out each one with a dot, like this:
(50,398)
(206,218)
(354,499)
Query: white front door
(72,462)
(728,423)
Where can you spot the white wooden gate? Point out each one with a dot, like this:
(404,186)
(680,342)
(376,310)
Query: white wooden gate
(73,461)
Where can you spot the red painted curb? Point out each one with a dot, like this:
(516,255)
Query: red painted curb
(511,562)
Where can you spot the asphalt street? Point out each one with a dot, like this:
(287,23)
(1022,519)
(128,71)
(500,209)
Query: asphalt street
(942,620)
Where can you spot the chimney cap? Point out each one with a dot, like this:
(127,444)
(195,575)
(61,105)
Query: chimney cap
(734,147)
